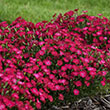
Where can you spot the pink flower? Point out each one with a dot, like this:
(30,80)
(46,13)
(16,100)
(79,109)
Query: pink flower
(57,87)
(15,95)
(43,48)
(65,59)
(2,106)
(41,52)
(29,85)
(40,63)
(51,76)
(59,62)
(35,91)
(76,61)
(54,53)
(103,83)
(99,14)
(63,68)
(78,83)
(87,83)
(15,87)
(99,33)
(8,102)
(83,74)
(22,47)
(91,69)
(1,74)
(19,104)
(75,68)
(38,104)
(101,38)
(30,32)
(85,11)
(27,91)
(47,71)
(86,60)
(50,98)
(79,52)
(104,73)
(57,34)
(92,73)
(73,49)
(87,78)
(102,62)
(70,13)
(18,25)
(19,52)
(76,92)
(61,97)
(61,53)
(63,81)
(36,75)
(54,71)
(41,43)
(75,73)
(47,62)
(42,98)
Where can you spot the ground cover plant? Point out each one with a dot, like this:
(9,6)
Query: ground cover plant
(47,62)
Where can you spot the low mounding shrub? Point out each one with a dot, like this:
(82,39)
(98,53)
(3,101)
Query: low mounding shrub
(49,61)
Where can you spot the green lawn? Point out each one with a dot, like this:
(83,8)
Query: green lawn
(38,10)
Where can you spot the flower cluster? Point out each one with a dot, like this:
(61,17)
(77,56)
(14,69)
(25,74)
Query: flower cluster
(38,63)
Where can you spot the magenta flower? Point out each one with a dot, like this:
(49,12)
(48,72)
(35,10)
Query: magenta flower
(47,62)
(38,104)
(61,97)
(57,34)
(35,91)
(104,73)
(76,61)
(29,85)
(79,52)
(8,102)
(78,83)
(76,92)
(63,68)
(57,87)
(83,74)
(15,95)
(41,52)
(59,62)
(91,69)
(51,76)
(36,76)
(50,98)
(54,53)
(103,83)
(42,98)
(87,83)
(75,73)
(92,73)
(2,107)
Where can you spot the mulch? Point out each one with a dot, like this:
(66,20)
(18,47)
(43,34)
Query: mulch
(88,103)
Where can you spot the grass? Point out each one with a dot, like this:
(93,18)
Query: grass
(38,10)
